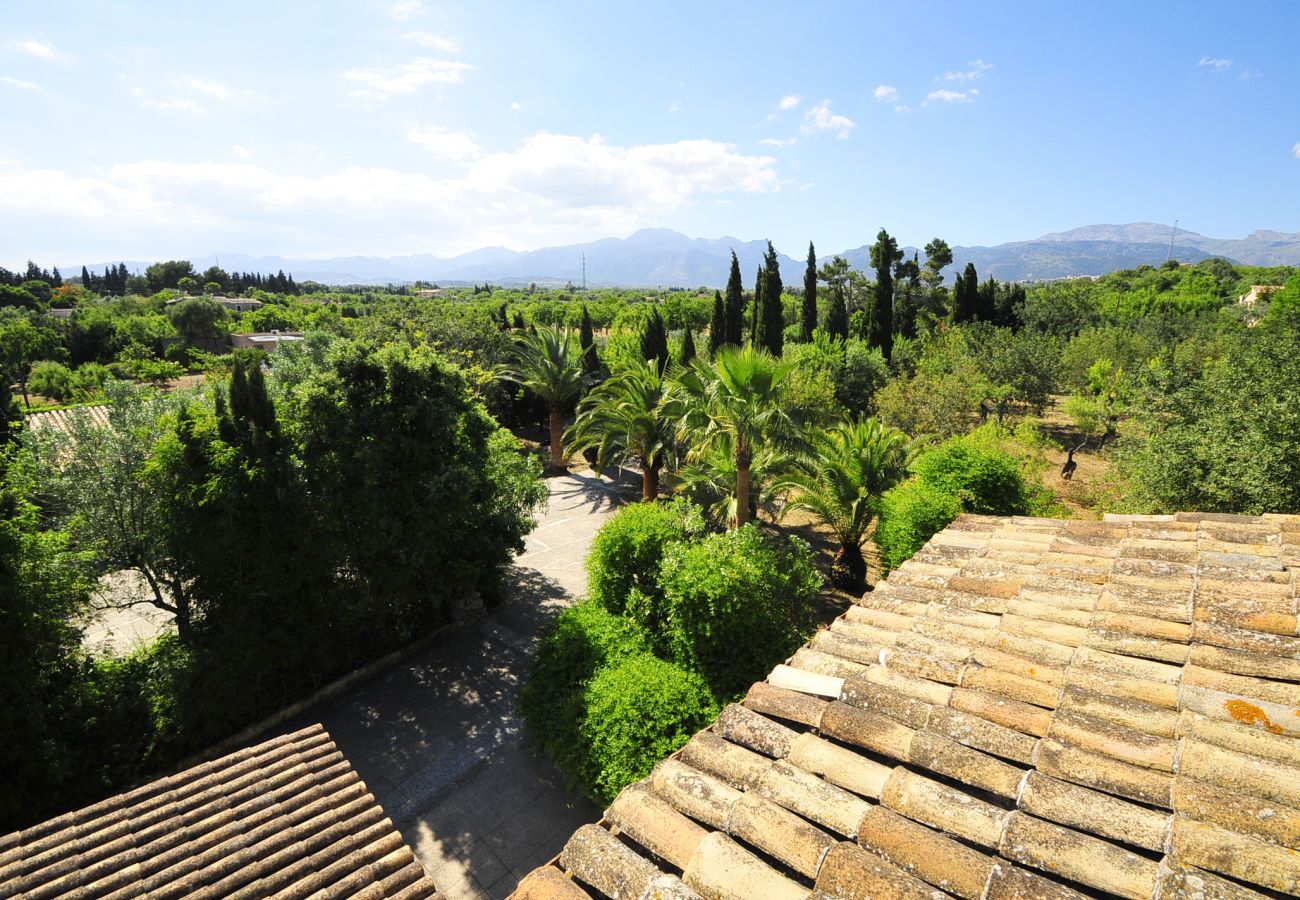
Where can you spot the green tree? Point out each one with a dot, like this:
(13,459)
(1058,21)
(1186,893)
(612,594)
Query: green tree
(966,296)
(688,348)
(837,320)
(884,256)
(587,341)
(840,480)
(771,322)
(198,321)
(21,344)
(623,419)
(808,310)
(737,396)
(168,274)
(546,364)
(654,341)
(735,302)
(938,256)
(718,324)
(756,306)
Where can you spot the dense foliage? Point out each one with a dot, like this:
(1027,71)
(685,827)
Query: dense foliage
(623,563)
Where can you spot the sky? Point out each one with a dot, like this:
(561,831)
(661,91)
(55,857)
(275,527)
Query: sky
(138,130)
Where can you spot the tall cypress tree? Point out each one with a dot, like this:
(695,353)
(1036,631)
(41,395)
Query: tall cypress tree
(808,319)
(884,254)
(587,340)
(688,348)
(718,324)
(986,307)
(654,341)
(760,281)
(965,295)
(837,320)
(735,304)
(771,327)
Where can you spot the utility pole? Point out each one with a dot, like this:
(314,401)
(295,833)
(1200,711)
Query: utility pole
(1172,235)
(584,273)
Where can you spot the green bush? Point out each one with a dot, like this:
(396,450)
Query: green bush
(734,604)
(638,711)
(586,637)
(985,479)
(51,379)
(910,514)
(624,557)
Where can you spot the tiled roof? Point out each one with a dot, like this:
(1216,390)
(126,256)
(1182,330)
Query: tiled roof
(58,419)
(287,818)
(1028,708)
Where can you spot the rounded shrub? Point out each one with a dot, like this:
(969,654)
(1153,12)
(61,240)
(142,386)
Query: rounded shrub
(984,479)
(638,711)
(735,604)
(585,638)
(910,514)
(624,557)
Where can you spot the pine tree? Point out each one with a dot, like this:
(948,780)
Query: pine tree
(771,327)
(837,320)
(654,341)
(735,303)
(688,348)
(718,324)
(808,319)
(587,340)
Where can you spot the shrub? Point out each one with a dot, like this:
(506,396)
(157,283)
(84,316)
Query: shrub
(624,557)
(51,379)
(586,637)
(910,514)
(984,479)
(735,604)
(638,711)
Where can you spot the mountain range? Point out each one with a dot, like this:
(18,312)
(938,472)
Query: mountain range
(656,257)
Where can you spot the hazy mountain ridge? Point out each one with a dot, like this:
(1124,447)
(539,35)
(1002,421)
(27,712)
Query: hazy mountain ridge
(662,258)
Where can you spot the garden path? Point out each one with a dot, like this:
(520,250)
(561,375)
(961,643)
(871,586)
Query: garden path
(437,738)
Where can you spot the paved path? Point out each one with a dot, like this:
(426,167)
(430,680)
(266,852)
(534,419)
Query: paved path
(437,739)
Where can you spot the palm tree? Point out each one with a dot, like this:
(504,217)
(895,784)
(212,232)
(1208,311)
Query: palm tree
(709,479)
(840,479)
(623,419)
(737,395)
(547,364)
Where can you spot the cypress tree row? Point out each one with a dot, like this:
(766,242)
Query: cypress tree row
(718,324)
(808,320)
(654,341)
(735,304)
(965,295)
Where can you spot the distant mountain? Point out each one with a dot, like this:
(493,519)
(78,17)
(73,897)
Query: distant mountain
(657,257)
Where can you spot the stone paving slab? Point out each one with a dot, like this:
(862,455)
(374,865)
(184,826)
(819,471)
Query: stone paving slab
(437,738)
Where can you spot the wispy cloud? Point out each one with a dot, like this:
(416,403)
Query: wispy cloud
(974,70)
(432,41)
(820,118)
(240,153)
(516,106)
(22,85)
(453,146)
(402,10)
(946,96)
(1247,74)
(778,142)
(1215,63)
(168,104)
(1295,151)
(674,107)
(789,101)
(379,84)
(886,93)
(39,49)
(902,108)
(214,89)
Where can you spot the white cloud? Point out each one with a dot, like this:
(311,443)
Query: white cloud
(214,89)
(551,188)
(886,93)
(820,118)
(516,106)
(946,96)
(240,153)
(168,104)
(674,107)
(22,85)
(433,41)
(778,142)
(379,84)
(401,10)
(975,70)
(902,108)
(453,146)
(39,49)
(1214,63)
(1295,151)
(789,101)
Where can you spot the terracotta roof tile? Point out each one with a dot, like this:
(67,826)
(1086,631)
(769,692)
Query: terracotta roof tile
(286,818)
(1027,709)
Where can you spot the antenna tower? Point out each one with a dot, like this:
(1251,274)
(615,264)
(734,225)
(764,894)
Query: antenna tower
(1173,234)
(584,273)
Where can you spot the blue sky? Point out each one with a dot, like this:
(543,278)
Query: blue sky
(382,127)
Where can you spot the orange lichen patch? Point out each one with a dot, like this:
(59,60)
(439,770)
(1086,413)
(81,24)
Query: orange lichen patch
(1250,714)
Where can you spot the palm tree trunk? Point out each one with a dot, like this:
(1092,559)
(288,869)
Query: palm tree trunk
(742,485)
(650,482)
(557,438)
(849,570)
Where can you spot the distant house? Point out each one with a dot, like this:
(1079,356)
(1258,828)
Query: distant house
(429,292)
(263,340)
(1256,293)
(233,304)
(62,313)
